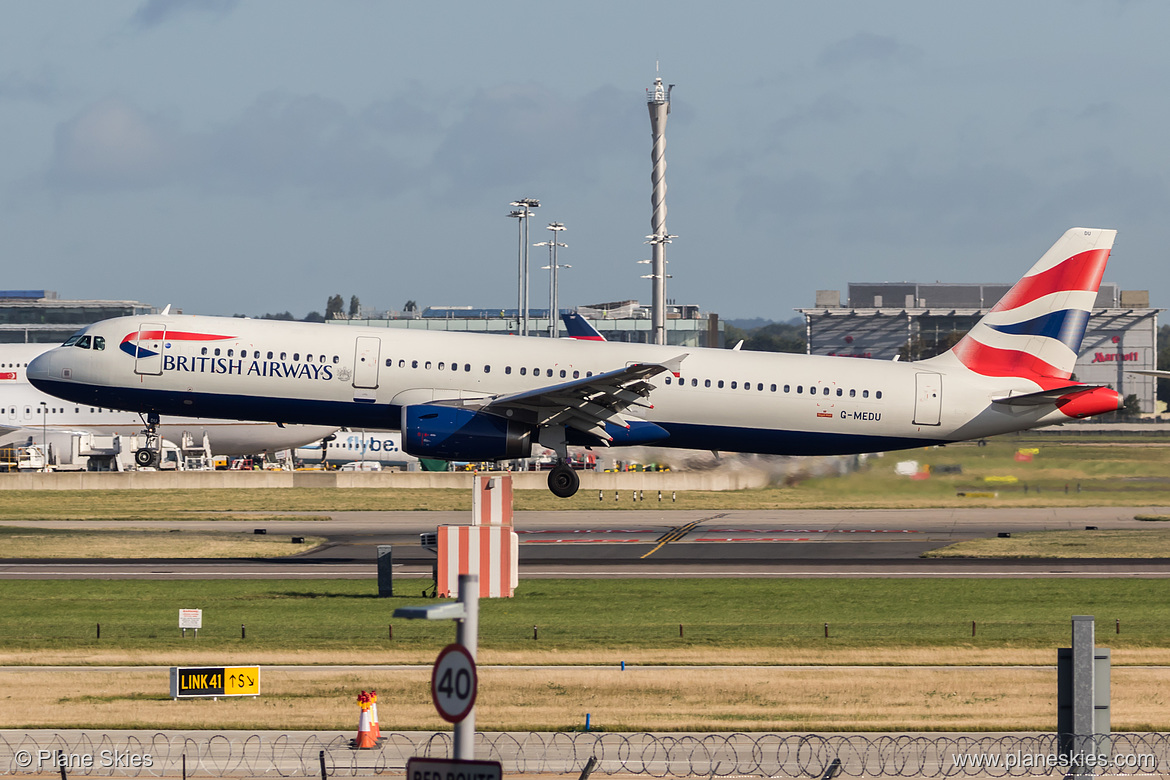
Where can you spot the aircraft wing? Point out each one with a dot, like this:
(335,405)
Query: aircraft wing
(7,429)
(1043,396)
(1162,374)
(585,404)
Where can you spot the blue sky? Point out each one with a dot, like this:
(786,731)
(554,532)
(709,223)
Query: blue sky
(251,156)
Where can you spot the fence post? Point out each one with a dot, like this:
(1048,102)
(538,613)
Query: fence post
(321,757)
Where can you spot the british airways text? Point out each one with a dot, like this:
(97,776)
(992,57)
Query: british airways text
(266,368)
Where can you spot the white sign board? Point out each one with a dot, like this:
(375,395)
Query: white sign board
(453,769)
(454,683)
(190,618)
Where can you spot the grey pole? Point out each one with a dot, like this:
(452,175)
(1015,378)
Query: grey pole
(658,101)
(1083,642)
(467,634)
(554,325)
(523,211)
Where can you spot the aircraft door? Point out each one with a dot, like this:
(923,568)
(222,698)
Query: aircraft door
(928,398)
(148,349)
(365,362)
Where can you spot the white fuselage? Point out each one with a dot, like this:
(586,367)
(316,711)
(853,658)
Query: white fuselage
(27,412)
(362,378)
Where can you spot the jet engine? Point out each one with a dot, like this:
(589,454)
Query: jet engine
(451,433)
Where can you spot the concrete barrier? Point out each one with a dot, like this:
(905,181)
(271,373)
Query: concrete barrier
(454,480)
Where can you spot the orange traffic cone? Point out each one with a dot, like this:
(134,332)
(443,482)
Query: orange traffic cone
(374,729)
(365,738)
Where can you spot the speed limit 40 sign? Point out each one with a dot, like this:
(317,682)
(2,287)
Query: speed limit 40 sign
(454,683)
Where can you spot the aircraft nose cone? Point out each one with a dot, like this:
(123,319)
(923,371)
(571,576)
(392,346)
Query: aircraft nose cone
(40,369)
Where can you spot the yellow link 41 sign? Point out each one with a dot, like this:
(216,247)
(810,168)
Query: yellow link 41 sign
(204,681)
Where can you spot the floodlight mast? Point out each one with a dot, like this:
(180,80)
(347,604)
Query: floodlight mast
(465,612)
(523,210)
(554,314)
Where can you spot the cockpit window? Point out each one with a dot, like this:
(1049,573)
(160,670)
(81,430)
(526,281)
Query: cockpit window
(72,340)
(83,342)
(99,342)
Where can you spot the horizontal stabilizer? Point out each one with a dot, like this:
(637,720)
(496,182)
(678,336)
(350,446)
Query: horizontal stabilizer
(1043,396)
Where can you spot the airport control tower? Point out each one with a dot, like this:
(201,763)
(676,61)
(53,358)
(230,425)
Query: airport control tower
(658,101)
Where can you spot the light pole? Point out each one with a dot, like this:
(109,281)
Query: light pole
(658,276)
(523,210)
(554,315)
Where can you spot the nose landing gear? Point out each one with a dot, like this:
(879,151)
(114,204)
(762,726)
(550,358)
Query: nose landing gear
(150,453)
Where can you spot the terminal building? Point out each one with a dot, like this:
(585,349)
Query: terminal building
(624,321)
(910,321)
(40,317)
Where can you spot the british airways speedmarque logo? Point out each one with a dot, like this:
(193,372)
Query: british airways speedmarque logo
(132,343)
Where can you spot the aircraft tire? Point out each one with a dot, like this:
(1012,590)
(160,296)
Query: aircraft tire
(144,457)
(563,481)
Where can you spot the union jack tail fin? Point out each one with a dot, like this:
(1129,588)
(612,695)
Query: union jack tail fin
(1035,331)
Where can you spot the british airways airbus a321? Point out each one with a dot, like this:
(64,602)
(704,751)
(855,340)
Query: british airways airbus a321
(479,397)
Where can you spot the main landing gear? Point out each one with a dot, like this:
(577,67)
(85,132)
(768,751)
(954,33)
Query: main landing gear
(563,481)
(150,454)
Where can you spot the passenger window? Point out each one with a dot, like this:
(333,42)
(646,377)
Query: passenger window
(865,394)
(706,383)
(217,353)
(773,388)
(563,374)
(826,391)
(487,369)
(507,369)
(734,386)
(799,389)
(466,366)
(576,374)
(414,364)
(668,381)
(338,360)
(720,384)
(878,394)
(283,355)
(454,366)
(427,365)
(270,354)
(588,374)
(523,371)
(389,362)
(760,386)
(840,392)
(230,353)
(852,393)
(694,383)
(308,358)
(442,365)
(402,364)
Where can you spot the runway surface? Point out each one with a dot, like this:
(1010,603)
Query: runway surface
(642,543)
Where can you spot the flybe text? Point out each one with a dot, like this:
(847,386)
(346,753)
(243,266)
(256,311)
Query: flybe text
(265,368)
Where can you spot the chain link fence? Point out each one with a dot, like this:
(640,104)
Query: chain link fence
(304,754)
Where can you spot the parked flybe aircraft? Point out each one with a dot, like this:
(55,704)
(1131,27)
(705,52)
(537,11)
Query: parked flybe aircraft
(27,412)
(479,397)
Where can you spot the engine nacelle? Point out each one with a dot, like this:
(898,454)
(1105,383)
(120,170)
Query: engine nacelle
(451,433)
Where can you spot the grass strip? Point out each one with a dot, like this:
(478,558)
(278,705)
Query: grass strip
(701,700)
(1121,543)
(584,621)
(19,542)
